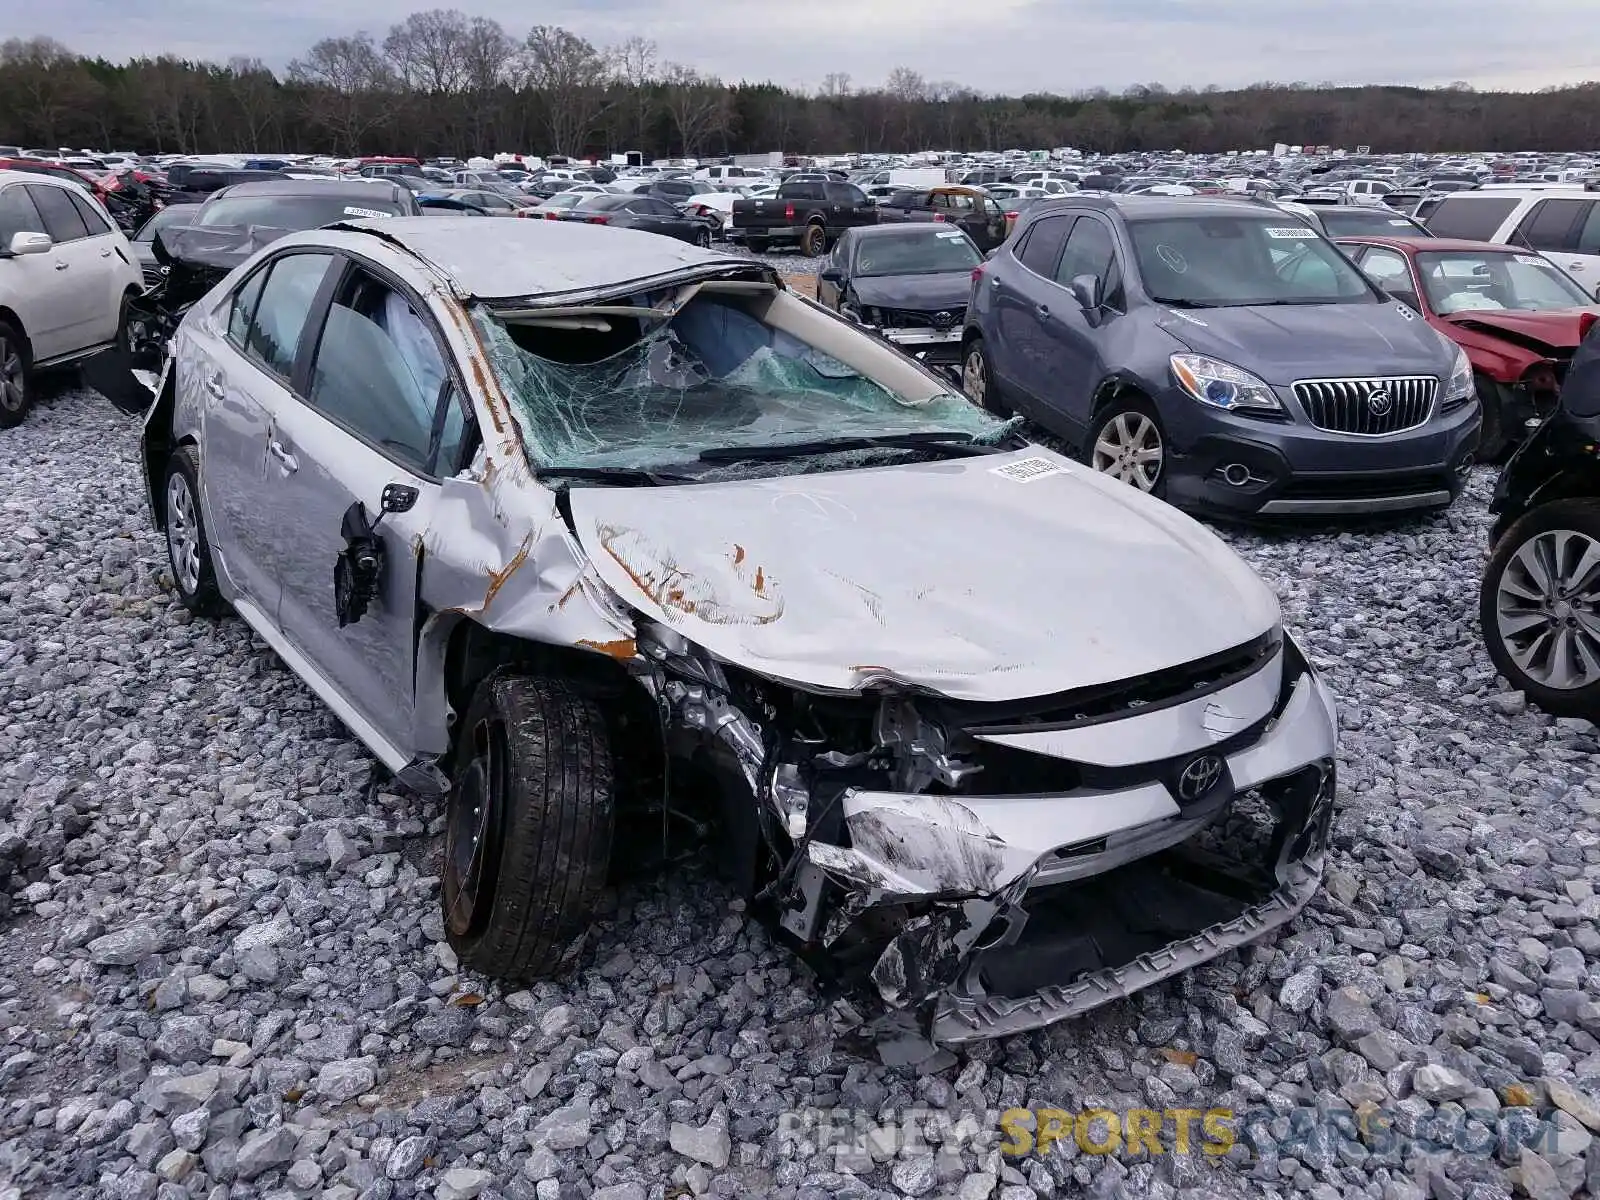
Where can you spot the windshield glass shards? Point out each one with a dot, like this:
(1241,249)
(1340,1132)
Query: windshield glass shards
(617,391)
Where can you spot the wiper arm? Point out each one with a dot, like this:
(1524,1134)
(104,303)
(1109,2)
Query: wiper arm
(932,442)
(1185,303)
(618,475)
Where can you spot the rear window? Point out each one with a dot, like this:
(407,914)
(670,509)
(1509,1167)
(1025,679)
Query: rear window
(1350,221)
(1471,218)
(293,212)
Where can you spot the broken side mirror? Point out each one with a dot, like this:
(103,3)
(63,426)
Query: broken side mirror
(831,274)
(397,498)
(30,243)
(358,571)
(1086,291)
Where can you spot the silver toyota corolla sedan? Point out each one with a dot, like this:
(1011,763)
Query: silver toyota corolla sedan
(596,535)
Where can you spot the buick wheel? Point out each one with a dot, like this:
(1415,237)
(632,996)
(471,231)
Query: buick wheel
(1126,443)
(1540,607)
(977,382)
(16,393)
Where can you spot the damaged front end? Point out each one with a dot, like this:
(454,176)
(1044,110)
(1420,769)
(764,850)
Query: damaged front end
(997,867)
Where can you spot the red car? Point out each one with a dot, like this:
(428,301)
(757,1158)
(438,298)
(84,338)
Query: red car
(1517,315)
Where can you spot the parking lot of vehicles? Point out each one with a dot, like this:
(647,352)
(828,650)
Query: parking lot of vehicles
(808,213)
(1218,354)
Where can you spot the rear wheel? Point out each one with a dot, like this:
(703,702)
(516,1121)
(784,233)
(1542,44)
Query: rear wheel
(528,834)
(16,376)
(814,242)
(703,239)
(1126,442)
(188,545)
(1539,607)
(977,381)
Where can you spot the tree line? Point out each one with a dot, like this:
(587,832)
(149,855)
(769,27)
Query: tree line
(440,82)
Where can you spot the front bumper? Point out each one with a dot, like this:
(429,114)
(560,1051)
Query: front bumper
(1227,465)
(935,347)
(1016,911)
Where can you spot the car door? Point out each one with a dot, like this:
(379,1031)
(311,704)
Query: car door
(74,264)
(105,264)
(1073,340)
(376,404)
(30,284)
(1585,264)
(244,380)
(993,230)
(1019,291)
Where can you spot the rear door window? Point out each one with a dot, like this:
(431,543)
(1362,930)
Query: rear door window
(17,215)
(1473,218)
(1552,224)
(1589,233)
(280,316)
(1042,251)
(61,219)
(93,218)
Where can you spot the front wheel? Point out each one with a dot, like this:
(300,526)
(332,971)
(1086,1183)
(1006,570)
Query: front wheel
(16,379)
(1539,607)
(1495,405)
(1126,442)
(703,239)
(528,833)
(188,544)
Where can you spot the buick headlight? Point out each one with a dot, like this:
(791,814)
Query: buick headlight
(1458,390)
(1222,385)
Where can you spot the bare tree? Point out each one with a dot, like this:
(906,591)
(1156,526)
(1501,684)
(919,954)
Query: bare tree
(637,72)
(254,91)
(835,85)
(698,106)
(344,77)
(47,80)
(429,51)
(571,76)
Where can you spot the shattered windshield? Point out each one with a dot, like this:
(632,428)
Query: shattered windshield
(623,392)
(1467,280)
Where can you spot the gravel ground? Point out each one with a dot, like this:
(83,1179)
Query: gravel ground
(223,973)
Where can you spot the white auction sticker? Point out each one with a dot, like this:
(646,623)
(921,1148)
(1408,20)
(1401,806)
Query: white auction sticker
(1290,233)
(352,211)
(1026,470)
(952,233)
(1531,260)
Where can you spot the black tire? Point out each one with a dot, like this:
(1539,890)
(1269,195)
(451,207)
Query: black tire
(758,245)
(194,576)
(528,837)
(814,241)
(977,379)
(1578,516)
(703,239)
(1132,410)
(111,372)
(1492,439)
(16,376)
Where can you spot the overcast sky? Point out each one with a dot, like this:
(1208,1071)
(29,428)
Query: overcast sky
(1008,46)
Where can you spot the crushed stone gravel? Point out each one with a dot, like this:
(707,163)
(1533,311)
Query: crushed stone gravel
(221,971)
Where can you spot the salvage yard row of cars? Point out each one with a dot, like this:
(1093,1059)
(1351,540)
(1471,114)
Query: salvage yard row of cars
(579,528)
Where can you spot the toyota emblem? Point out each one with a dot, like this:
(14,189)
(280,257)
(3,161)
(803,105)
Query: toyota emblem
(1200,776)
(942,319)
(1379,402)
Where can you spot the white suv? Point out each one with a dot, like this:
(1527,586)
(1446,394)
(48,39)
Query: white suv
(1563,224)
(65,270)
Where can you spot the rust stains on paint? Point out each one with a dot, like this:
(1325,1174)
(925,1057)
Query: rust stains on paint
(497,579)
(708,597)
(620,648)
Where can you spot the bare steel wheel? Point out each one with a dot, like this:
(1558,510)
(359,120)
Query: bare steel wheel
(1540,607)
(15,392)
(1127,444)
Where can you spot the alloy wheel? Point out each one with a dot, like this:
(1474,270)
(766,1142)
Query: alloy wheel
(973,380)
(1129,448)
(13,385)
(1547,609)
(183,534)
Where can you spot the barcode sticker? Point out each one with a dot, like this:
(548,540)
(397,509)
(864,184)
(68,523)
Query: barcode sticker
(1026,470)
(1290,233)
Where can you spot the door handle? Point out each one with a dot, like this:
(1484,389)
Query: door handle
(1577,266)
(62,266)
(285,460)
(105,254)
(1043,310)
(214,385)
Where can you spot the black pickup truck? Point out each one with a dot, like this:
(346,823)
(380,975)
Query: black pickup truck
(971,210)
(811,212)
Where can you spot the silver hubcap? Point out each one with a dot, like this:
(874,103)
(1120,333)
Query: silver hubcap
(1547,608)
(183,534)
(972,381)
(13,390)
(1129,449)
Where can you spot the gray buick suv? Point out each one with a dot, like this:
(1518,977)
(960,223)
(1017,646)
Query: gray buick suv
(1221,354)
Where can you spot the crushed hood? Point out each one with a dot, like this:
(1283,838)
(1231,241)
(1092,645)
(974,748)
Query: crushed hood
(1285,342)
(916,293)
(947,575)
(1555,329)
